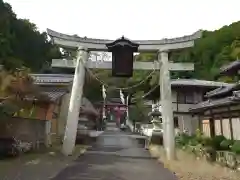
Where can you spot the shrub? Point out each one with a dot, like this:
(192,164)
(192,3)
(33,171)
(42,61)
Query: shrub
(225,144)
(199,136)
(193,141)
(236,147)
(210,153)
(216,141)
(206,141)
(183,139)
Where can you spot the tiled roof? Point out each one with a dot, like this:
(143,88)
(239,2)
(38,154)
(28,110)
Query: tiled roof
(215,103)
(48,79)
(234,66)
(222,90)
(66,78)
(196,82)
(54,95)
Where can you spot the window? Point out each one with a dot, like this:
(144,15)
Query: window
(176,125)
(185,97)
(181,98)
(189,98)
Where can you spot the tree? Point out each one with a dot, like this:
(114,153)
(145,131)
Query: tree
(213,50)
(16,91)
(21,44)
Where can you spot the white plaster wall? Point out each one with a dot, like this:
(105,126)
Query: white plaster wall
(226,128)
(236,129)
(184,107)
(217,124)
(189,123)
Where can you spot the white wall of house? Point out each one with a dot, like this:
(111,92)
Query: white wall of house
(188,122)
(236,129)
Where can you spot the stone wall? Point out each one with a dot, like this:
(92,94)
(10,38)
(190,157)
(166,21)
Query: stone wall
(26,130)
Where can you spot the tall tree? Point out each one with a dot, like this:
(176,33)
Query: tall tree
(22,44)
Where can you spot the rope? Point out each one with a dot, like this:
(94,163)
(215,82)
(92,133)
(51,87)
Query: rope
(125,88)
(118,88)
(143,96)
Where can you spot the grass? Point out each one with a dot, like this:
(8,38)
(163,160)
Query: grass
(188,167)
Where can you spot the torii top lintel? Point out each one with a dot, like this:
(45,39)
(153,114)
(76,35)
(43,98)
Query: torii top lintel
(73,42)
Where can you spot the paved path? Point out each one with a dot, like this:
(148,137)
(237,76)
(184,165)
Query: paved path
(115,156)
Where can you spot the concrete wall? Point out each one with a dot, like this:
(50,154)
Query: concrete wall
(26,130)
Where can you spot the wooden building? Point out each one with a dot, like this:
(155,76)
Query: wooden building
(220,113)
(186,93)
(57,88)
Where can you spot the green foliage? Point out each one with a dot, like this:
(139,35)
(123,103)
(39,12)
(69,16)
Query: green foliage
(236,147)
(216,141)
(206,141)
(210,52)
(138,111)
(22,44)
(193,141)
(226,144)
(183,139)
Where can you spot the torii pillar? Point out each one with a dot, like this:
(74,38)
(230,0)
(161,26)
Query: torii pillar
(166,105)
(75,102)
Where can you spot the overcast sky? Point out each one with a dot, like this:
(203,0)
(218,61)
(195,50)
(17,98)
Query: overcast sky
(135,19)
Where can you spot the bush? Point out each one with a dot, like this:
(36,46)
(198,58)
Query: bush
(193,141)
(199,136)
(206,141)
(216,141)
(183,139)
(226,144)
(210,153)
(236,147)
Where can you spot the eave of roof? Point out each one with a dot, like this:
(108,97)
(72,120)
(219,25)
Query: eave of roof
(205,105)
(198,83)
(230,68)
(221,91)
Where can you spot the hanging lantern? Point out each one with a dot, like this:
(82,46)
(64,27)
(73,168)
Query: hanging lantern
(122,57)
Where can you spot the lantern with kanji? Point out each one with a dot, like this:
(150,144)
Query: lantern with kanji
(122,57)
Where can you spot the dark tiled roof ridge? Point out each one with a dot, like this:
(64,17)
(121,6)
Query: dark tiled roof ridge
(230,66)
(216,102)
(222,90)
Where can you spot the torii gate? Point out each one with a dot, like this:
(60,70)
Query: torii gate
(84,45)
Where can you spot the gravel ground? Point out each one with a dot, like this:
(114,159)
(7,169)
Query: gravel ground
(187,167)
(37,166)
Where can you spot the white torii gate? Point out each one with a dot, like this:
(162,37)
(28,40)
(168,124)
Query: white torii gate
(84,45)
